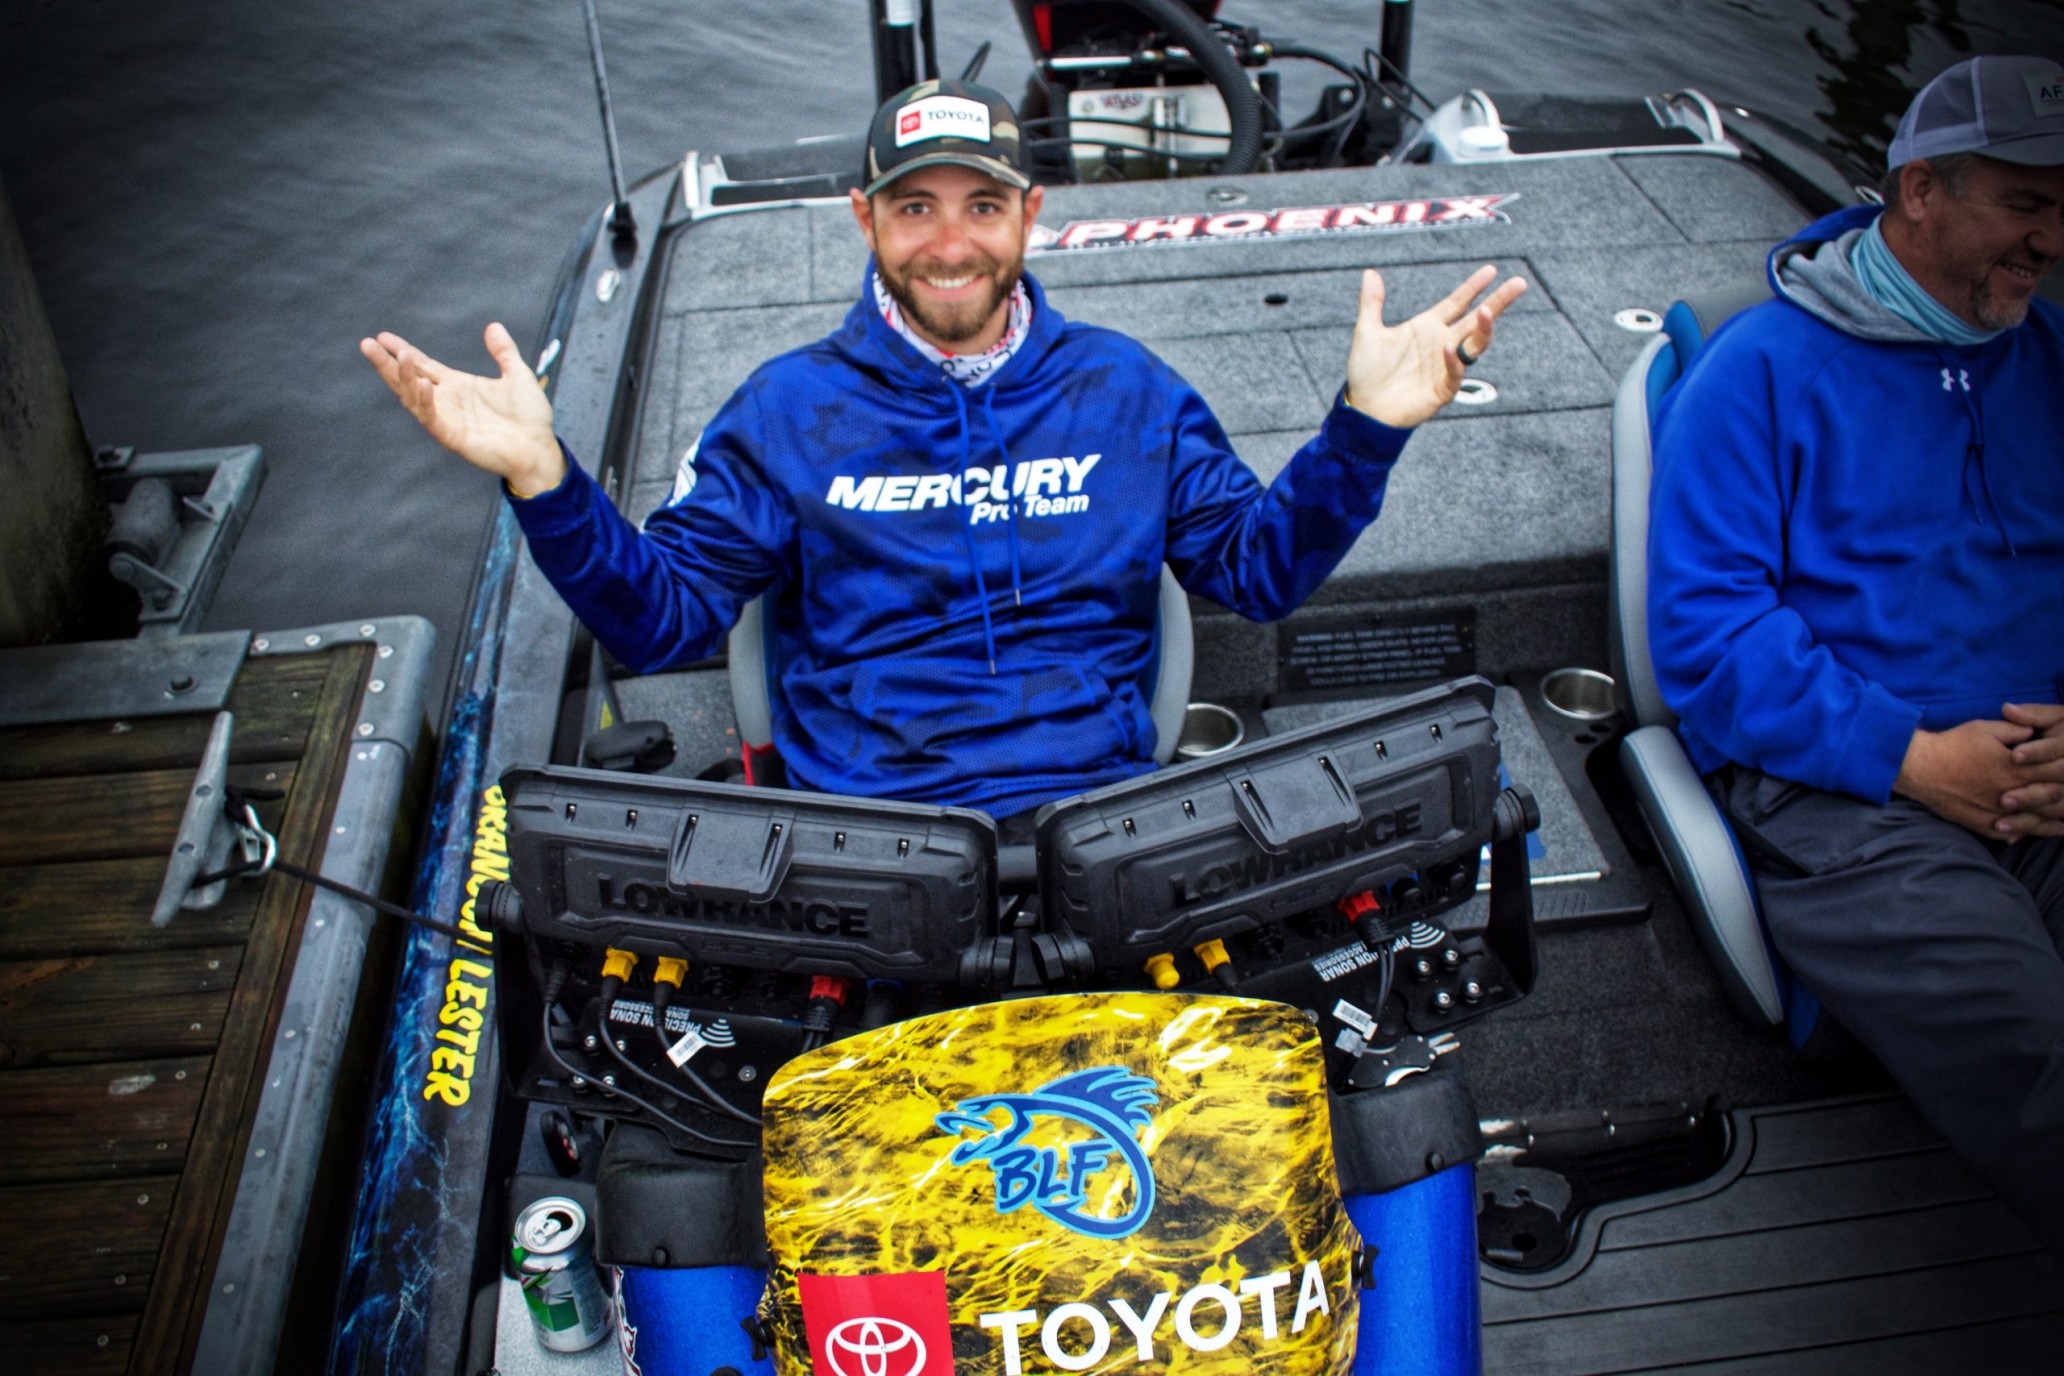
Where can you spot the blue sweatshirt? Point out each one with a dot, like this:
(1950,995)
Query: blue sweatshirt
(1856,531)
(962,582)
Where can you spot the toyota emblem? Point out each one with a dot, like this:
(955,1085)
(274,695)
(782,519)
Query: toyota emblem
(877,1347)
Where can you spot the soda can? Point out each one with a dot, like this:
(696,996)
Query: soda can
(555,1264)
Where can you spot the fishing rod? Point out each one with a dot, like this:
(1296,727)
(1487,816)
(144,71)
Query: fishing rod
(621,222)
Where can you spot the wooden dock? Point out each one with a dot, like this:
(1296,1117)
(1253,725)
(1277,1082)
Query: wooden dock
(132,1057)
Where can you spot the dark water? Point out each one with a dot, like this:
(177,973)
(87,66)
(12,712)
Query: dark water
(220,197)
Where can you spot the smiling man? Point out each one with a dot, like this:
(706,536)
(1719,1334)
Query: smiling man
(1856,608)
(958,504)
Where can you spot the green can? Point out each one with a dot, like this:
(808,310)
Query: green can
(555,1263)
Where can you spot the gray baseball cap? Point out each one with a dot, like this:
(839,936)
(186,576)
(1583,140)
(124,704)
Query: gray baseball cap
(2010,108)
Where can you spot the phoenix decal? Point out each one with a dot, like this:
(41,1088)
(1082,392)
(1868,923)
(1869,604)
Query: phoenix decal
(1233,226)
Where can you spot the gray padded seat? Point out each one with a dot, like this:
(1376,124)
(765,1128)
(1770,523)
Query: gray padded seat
(1172,671)
(1698,848)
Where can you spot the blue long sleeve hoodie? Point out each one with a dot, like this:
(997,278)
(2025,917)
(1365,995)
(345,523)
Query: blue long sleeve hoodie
(1856,531)
(962,582)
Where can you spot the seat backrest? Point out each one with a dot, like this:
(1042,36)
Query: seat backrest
(1686,327)
(752,671)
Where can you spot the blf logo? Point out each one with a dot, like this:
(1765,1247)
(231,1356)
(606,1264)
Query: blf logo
(1114,1104)
(882,1325)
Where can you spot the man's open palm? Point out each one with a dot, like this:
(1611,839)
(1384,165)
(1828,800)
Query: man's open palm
(1402,374)
(502,424)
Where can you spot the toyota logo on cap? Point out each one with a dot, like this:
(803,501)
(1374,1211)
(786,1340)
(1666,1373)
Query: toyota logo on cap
(874,1347)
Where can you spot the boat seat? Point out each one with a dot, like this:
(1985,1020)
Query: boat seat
(752,680)
(1699,849)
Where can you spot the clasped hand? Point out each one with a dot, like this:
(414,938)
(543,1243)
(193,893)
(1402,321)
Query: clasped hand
(2002,779)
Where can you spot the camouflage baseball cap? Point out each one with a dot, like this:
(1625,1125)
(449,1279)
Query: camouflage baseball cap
(945,122)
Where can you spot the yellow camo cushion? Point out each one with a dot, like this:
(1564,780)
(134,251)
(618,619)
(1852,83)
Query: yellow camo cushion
(1088,1182)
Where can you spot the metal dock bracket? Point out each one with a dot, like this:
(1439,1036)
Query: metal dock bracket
(206,834)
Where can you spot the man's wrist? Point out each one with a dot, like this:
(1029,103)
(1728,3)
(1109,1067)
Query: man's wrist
(1916,768)
(538,479)
(1347,402)
(1347,399)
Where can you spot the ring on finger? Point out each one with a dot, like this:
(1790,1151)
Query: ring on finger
(1462,352)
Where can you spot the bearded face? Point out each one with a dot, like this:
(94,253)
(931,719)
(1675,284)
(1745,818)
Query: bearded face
(951,304)
(949,243)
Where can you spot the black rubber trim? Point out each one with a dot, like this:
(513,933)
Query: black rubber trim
(659,1207)
(1387,1138)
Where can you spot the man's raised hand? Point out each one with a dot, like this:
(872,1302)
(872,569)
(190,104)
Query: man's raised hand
(502,424)
(1403,374)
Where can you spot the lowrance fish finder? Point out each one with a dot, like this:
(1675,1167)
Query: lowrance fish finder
(1317,868)
(681,940)
(672,942)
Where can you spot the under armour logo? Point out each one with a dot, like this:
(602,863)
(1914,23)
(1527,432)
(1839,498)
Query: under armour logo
(1950,384)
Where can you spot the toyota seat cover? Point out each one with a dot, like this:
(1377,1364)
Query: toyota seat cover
(1089,1182)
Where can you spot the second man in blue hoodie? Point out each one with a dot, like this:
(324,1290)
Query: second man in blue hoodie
(1857,611)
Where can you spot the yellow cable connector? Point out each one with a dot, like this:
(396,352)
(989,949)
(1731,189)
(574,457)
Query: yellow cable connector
(672,970)
(618,964)
(1161,969)
(1213,954)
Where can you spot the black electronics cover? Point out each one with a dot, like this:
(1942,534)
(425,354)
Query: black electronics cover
(762,878)
(1290,823)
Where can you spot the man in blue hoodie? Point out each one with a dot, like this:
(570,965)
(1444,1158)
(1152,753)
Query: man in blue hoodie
(958,504)
(1856,608)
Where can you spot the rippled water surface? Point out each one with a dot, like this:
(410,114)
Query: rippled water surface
(220,197)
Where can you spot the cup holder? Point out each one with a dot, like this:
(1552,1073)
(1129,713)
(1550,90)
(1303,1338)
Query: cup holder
(1579,694)
(1208,729)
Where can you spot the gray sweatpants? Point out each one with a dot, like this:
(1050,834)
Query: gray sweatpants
(1942,952)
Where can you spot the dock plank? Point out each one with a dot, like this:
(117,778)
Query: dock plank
(96,817)
(126,1118)
(93,1250)
(274,701)
(118,978)
(200,1213)
(69,1347)
(103,906)
(79,1009)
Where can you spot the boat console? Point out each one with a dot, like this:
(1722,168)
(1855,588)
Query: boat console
(672,942)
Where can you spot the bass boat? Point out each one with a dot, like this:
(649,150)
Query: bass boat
(1401,1023)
